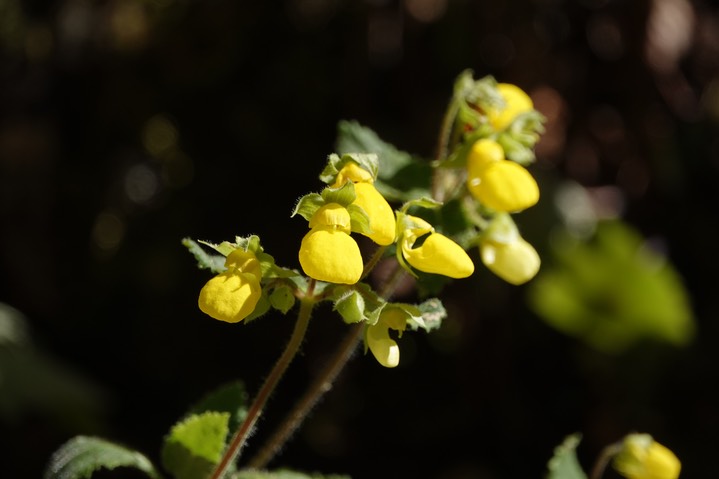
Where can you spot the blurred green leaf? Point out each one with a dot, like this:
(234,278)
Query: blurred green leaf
(400,177)
(81,456)
(194,445)
(612,291)
(564,463)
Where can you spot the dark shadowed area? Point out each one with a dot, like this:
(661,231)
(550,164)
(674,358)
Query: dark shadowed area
(127,125)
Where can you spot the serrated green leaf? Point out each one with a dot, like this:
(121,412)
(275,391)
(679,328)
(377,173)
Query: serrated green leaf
(194,445)
(564,463)
(230,398)
(284,474)
(215,263)
(81,456)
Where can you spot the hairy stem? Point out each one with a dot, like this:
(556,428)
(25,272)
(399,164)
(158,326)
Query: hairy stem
(322,383)
(255,411)
(319,387)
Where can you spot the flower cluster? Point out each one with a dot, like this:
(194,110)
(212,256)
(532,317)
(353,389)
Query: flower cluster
(491,138)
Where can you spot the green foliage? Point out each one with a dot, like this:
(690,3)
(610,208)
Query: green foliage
(564,463)
(213,262)
(612,291)
(230,398)
(401,176)
(81,456)
(284,474)
(194,445)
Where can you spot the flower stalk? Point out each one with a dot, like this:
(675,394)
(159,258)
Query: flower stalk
(255,411)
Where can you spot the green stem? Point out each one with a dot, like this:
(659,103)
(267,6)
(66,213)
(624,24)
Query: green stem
(322,383)
(445,134)
(379,252)
(255,411)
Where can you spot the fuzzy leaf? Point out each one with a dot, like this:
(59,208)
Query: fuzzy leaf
(308,205)
(81,456)
(194,445)
(282,298)
(433,313)
(564,463)
(400,176)
(230,398)
(215,263)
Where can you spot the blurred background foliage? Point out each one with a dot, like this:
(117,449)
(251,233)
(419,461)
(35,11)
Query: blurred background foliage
(126,125)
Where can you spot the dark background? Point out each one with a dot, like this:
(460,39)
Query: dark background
(128,125)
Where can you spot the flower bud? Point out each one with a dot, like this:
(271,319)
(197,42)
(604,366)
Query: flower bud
(516,103)
(641,457)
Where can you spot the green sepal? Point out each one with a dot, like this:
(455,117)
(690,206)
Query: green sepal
(215,263)
(433,313)
(261,308)
(474,97)
(564,463)
(195,445)
(223,248)
(282,298)
(230,398)
(344,195)
(424,202)
(308,205)
(366,161)
(350,306)
(82,456)
(519,138)
(359,220)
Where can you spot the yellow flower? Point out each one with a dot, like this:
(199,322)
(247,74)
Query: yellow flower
(438,254)
(497,183)
(381,216)
(516,103)
(641,457)
(382,346)
(232,295)
(328,252)
(515,261)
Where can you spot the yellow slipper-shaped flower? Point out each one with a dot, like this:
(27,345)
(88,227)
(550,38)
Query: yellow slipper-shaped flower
(516,262)
(643,458)
(504,186)
(328,252)
(516,103)
(381,217)
(438,254)
(232,295)
(382,346)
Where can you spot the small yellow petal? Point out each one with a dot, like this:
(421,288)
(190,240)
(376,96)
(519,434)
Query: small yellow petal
(331,215)
(384,348)
(517,102)
(516,262)
(440,255)
(483,153)
(352,172)
(643,458)
(330,255)
(381,216)
(505,186)
(230,296)
(245,262)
